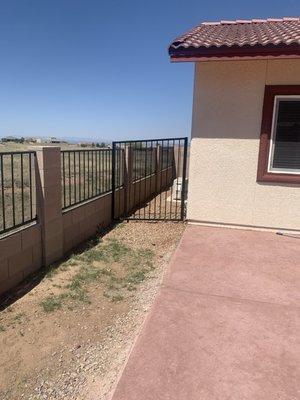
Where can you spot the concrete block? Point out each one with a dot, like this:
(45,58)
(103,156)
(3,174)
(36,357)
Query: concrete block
(89,209)
(50,177)
(51,212)
(31,236)
(50,258)
(53,228)
(19,261)
(78,214)
(10,245)
(3,269)
(67,219)
(51,195)
(10,282)
(68,245)
(79,238)
(54,245)
(36,257)
(70,232)
(48,157)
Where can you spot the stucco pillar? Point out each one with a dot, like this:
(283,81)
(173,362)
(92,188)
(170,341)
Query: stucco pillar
(49,205)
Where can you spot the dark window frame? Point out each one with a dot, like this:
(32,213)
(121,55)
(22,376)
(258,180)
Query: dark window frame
(263,175)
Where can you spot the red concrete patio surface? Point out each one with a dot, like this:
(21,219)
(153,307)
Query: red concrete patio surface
(226,323)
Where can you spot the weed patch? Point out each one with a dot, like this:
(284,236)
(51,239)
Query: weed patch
(51,303)
(119,267)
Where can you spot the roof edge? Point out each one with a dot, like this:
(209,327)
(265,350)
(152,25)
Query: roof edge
(258,50)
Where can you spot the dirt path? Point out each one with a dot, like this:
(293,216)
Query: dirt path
(68,337)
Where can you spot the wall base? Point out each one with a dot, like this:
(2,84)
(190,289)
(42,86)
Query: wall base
(244,227)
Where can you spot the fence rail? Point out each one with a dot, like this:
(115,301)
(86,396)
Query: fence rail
(17,189)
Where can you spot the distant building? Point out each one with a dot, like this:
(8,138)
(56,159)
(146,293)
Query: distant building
(13,139)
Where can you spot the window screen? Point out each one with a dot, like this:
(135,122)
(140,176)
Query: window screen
(286,136)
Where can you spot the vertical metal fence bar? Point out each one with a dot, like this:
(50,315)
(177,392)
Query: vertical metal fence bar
(13,189)
(161,176)
(64,180)
(79,173)
(75,191)
(97,172)
(88,167)
(106,187)
(145,177)
(22,187)
(106,171)
(120,180)
(3,194)
(156,177)
(95,193)
(177,176)
(100,155)
(97,153)
(134,179)
(184,178)
(150,180)
(92,174)
(101,166)
(130,178)
(113,180)
(30,184)
(172,167)
(84,176)
(167,180)
(69,180)
(110,169)
(140,176)
(100,172)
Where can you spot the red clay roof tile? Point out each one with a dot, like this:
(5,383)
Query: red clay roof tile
(241,37)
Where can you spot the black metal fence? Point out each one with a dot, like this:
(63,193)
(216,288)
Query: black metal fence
(87,174)
(154,179)
(150,184)
(17,189)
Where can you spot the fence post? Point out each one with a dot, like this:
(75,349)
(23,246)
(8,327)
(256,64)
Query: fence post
(184,179)
(128,179)
(113,180)
(49,203)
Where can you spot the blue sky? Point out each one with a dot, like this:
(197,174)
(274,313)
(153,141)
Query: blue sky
(100,69)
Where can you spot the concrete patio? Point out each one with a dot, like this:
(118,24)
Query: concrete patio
(225,324)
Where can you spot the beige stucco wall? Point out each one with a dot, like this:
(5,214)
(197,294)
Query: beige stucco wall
(227,111)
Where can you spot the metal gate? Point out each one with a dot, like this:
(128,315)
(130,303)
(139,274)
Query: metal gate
(149,179)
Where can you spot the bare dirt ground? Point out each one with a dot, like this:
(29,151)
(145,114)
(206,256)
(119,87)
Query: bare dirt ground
(69,336)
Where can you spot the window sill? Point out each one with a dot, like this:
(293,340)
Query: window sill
(272,177)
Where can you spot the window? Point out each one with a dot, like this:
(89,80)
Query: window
(279,155)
